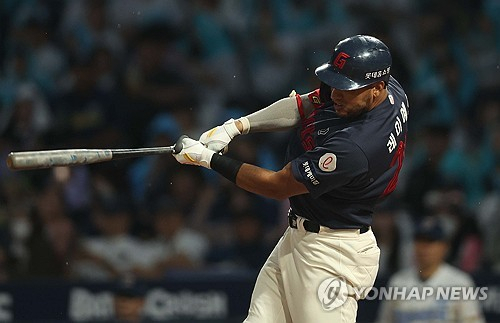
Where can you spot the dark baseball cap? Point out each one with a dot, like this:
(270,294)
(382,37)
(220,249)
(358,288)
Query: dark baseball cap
(431,229)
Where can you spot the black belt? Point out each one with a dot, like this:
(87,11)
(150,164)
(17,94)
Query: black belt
(314,227)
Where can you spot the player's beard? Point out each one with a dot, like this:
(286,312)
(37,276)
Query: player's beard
(351,111)
(354,107)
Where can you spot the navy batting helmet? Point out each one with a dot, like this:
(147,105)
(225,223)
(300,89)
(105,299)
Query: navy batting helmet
(356,62)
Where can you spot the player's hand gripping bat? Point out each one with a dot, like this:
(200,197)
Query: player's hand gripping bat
(26,160)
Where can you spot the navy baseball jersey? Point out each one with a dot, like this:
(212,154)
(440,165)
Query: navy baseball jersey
(348,165)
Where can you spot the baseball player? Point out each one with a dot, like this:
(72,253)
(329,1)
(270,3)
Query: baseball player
(449,295)
(344,156)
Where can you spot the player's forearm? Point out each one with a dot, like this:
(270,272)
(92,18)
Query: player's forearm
(281,115)
(276,185)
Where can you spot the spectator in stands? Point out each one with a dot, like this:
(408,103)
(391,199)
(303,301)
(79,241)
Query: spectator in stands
(174,246)
(114,251)
(489,206)
(216,49)
(148,176)
(16,226)
(427,162)
(155,79)
(86,26)
(490,225)
(479,39)
(391,225)
(39,234)
(129,299)
(28,119)
(430,270)
(28,240)
(58,233)
(248,249)
(464,235)
(46,62)
(84,112)
(184,187)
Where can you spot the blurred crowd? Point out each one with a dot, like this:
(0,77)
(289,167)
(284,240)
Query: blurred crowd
(139,73)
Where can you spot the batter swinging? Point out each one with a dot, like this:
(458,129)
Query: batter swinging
(344,158)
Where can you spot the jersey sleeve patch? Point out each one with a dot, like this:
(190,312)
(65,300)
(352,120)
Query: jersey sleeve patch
(329,167)
(314,98)
(328,162)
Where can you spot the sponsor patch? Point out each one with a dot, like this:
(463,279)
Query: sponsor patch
(309,174)
(328,162)
(377,74)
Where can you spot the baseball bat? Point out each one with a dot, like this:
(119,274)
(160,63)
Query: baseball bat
(27,160)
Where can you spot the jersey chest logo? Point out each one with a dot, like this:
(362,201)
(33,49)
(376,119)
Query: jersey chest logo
(322,132)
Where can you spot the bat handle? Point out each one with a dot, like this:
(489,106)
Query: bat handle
(178,144)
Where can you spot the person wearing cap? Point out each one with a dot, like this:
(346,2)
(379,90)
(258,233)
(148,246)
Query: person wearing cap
(113,251)
(343,157)
(433,274)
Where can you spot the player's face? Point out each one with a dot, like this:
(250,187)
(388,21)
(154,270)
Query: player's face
(430,253)
(351,103)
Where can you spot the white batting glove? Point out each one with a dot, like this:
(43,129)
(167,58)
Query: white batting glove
(194,153)
(217,139)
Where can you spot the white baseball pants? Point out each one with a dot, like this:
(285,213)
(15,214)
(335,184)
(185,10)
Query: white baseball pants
(289,286)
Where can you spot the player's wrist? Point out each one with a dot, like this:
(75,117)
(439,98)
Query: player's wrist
(243,125)
(231,128)
(226,166)
(206,157)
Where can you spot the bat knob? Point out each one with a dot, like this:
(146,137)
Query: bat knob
(178,144)
(9,161)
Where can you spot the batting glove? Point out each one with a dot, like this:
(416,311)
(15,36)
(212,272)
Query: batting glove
(217,139)
(194,153)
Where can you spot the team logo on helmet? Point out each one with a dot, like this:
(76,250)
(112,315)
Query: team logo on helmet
(340,60)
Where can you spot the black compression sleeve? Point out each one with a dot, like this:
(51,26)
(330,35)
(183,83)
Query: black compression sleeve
(226,166)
